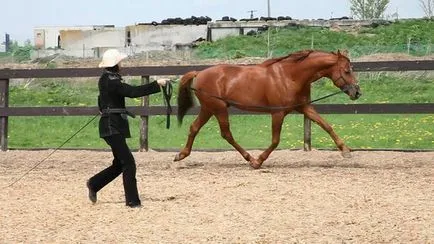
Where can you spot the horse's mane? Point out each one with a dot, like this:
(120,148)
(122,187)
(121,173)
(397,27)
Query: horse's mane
(295,57)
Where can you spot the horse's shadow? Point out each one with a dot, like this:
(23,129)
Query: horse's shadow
(297,165)
(144,199)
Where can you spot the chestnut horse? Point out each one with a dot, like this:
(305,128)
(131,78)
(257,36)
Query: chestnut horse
(277,86)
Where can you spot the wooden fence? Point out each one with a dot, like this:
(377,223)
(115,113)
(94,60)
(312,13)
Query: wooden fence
(145,110)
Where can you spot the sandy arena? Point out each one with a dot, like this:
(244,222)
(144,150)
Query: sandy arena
(296,197)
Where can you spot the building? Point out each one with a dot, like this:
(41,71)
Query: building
(92,41)
(148,37)
(77,41)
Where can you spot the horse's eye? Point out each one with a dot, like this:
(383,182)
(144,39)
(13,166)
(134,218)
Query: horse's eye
(347,71)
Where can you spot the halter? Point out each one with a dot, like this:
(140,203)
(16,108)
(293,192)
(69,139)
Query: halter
(346,85)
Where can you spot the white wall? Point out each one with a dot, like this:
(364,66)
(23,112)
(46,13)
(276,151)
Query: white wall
(164,37)
(51,34)
(77,39)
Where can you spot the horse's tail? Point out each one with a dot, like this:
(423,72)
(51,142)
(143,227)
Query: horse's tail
(185,96)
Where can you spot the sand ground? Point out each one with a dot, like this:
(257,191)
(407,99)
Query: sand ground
(215,197)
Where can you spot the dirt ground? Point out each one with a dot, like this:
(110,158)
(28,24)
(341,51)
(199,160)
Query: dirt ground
(215,197)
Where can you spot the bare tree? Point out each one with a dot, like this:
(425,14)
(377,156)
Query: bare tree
(427,7)
(369,9)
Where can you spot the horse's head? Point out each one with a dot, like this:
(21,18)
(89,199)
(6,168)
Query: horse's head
(343,76)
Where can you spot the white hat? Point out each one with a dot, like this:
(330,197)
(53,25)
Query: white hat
(111,58)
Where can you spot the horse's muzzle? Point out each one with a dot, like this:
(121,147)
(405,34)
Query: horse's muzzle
(358,94)
(353,91)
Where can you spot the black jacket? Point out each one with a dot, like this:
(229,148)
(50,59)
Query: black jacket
(112,93)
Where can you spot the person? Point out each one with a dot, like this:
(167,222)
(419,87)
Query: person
(114,128)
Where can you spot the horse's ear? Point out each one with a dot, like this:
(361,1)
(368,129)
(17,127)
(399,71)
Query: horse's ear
(344,53)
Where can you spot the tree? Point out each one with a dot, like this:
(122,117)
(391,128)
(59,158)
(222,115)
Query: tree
(427,7)
(369,9)
(20,53)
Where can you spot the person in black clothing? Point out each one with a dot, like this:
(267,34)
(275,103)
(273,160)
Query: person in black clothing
(114,128)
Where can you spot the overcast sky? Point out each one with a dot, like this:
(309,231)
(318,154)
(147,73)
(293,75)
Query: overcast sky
(19,17)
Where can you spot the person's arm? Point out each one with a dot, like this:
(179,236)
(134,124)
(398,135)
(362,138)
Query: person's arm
(136,91)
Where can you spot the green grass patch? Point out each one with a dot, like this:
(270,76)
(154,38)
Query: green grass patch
(358,131)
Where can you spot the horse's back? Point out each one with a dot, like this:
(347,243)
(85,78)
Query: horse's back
(244,84)
(230,73)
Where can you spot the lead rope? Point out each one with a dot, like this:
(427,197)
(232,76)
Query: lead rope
(230,102)
(40,162)
(167,94)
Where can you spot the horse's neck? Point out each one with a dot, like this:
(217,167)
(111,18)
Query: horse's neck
(311,69)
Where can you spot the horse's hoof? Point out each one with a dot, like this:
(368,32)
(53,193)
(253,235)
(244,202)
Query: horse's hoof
(346,154)
(255,164)
(178,157)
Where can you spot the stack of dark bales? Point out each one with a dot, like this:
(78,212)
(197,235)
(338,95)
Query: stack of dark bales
(193,20)
(342,18)
(284,18)
(227,18)
(260,30)
(280,18)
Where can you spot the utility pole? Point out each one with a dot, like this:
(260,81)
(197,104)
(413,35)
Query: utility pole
(251,13)
(268,7)
(7,42)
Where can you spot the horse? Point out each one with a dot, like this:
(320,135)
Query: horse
(276,86)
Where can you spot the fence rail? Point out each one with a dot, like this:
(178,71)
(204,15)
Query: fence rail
(395,108)
(145,110)
(179,70)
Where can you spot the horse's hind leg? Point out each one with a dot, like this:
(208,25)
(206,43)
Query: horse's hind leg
(200,120)
(276,120)
(223,120)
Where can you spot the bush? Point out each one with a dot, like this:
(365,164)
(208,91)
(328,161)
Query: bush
(21,54)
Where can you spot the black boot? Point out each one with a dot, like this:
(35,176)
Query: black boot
(92,193)
(134,204)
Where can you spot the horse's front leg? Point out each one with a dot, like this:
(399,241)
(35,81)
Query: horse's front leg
(312,114)
(276,120)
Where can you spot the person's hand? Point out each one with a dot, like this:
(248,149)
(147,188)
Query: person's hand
(162,82)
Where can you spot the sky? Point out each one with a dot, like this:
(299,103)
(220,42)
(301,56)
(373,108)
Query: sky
(19,17)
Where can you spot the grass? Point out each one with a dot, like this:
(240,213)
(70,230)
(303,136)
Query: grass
(358,131)
(391,38)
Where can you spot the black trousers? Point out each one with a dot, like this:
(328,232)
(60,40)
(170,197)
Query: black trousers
(124,163)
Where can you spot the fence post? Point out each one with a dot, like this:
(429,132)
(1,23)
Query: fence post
(208,34)
(144,146)
(409,45)
(307,132)
(4,103)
